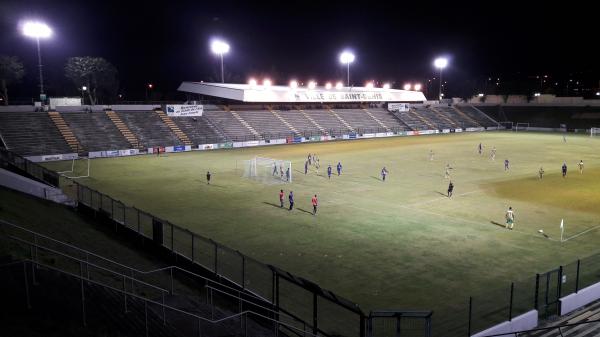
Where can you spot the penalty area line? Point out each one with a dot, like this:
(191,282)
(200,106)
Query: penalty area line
(579,234)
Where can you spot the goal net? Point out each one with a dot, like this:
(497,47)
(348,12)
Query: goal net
(268,170)
(79,168)
(522,127)
(594,132)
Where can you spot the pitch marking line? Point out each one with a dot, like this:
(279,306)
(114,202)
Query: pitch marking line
(418,203)
(579,234)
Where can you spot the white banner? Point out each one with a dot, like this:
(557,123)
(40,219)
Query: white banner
(398,107)
(184,110)
(52,157)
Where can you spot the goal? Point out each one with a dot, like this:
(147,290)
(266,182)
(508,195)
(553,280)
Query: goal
(268,170)
(522,127)
(594,132)
(80,168)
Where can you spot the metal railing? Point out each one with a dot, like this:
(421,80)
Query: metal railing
(130,286)
(559,329)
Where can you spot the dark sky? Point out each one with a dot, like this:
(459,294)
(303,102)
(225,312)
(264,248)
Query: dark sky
(168,42)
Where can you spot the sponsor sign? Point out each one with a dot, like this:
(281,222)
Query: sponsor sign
(298,139)
(252,143)
(206,146)
(112,153)
(352,136)
(227,145)
(179,148)
(458,130)
(398,107)
(130,152)
(238,144)
(381,134)
(315,138)
(179,110)
(52,157)
(368,135)
(325,138)
(445,130)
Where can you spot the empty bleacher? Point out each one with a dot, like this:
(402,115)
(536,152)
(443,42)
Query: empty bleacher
(458,119)
(149,128)
(95,131)
(430,117)
(574,117)
(300,122)
(31,133)
(265,123)
(328,121)
(477,115)
(198,129)
(389,119)
(359,119)
(234,130)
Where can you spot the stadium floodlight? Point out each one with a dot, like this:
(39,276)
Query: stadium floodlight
(328,85)
(220,47)
(312,85)
(440,63)
(347,57)
(252,82)
(407,86)
(339,85)
(480,95)
(386,86)
(293,84)
(537,94)
(598,93)
(267,83)
(417,87)
(369,85)
(38,30)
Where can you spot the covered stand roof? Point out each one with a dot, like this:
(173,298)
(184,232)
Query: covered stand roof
(284,94)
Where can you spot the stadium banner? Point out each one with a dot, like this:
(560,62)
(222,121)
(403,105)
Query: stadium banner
(389,134)
(445,130)
(277,141)
(402,133)
(412,133)
(180,110)
(428,132)
(128,152)
(400,107)
(367,135)
(325,138)
(299,139)
(315,138)
(251,143)
(207,146)
(52,157)
(474,129)
(458,130)
(381,134)
(352,136)
(491,128)
(112,153)
(226,145)
(238,144)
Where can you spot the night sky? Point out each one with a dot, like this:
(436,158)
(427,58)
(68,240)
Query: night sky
(165,43)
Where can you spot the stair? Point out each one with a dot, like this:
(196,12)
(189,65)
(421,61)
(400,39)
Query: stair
(278,116)
(348,126)
(377,120)
(174,128)
(317,125)
(131,138)
(241,120)
(465,116)
(65,131)
(444,117)
(423,119)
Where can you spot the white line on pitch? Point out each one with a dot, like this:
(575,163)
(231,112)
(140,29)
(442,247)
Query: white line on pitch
(585,231)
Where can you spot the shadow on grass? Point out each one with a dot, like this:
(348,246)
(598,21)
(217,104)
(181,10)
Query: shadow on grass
(376,178)
(305,211)
(441,193)
(497,224)
(273,204)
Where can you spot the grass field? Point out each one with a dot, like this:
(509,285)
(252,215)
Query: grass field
(395,244)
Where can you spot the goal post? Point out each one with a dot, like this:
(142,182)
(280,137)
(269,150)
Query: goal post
(268,170)
(594,132)
(80,168)
(522,127)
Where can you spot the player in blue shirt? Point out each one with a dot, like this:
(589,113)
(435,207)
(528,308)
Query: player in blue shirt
(291,199)
(384,173)
(339,168)
(306,167)
(329,172)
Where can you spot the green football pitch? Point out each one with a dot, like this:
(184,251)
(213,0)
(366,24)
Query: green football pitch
(401,243)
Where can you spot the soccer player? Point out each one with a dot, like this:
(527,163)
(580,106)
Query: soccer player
(430,154)
(450,189)
(207,177)
(384,173)
(287,174)
(564,139)
(580,166)
(506,164)
(291,200)
(541,172)
(305,167)
(564,170)
(281,171)
(447,173)
(281,198)
(274,168)
(339,168)
(510,218)
(309,159)
(315,203)
(329,172)
(493,153)
(480,149)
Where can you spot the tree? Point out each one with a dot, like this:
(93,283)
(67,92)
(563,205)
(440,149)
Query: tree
(11,71)
(96,74)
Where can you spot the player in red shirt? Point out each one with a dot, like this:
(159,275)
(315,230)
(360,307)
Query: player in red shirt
(315,203)
(281,197)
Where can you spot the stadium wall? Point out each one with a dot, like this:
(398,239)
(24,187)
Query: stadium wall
(526,321)
(577,300)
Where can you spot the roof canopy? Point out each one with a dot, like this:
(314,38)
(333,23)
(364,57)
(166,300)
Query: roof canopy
(284,94)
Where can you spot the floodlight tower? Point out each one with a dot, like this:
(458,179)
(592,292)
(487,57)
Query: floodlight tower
(38,30)
(220,47)
(346,57)
(440,63)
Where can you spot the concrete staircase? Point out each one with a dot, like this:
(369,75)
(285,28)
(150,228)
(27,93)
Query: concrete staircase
(340,118)
(131,138)
(312,121)
(174,128)
(278,116)
(444,117)
(65,131)
(376,119)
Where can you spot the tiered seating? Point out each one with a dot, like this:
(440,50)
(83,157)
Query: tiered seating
(590,314)
(149,128)
(431,117)
(95,131)
(301,123)
(327,121)
(476,115)
(388,119)
(265,123)
(198,130)
(359,119)
(31,133)
(460,120)
(233,129)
